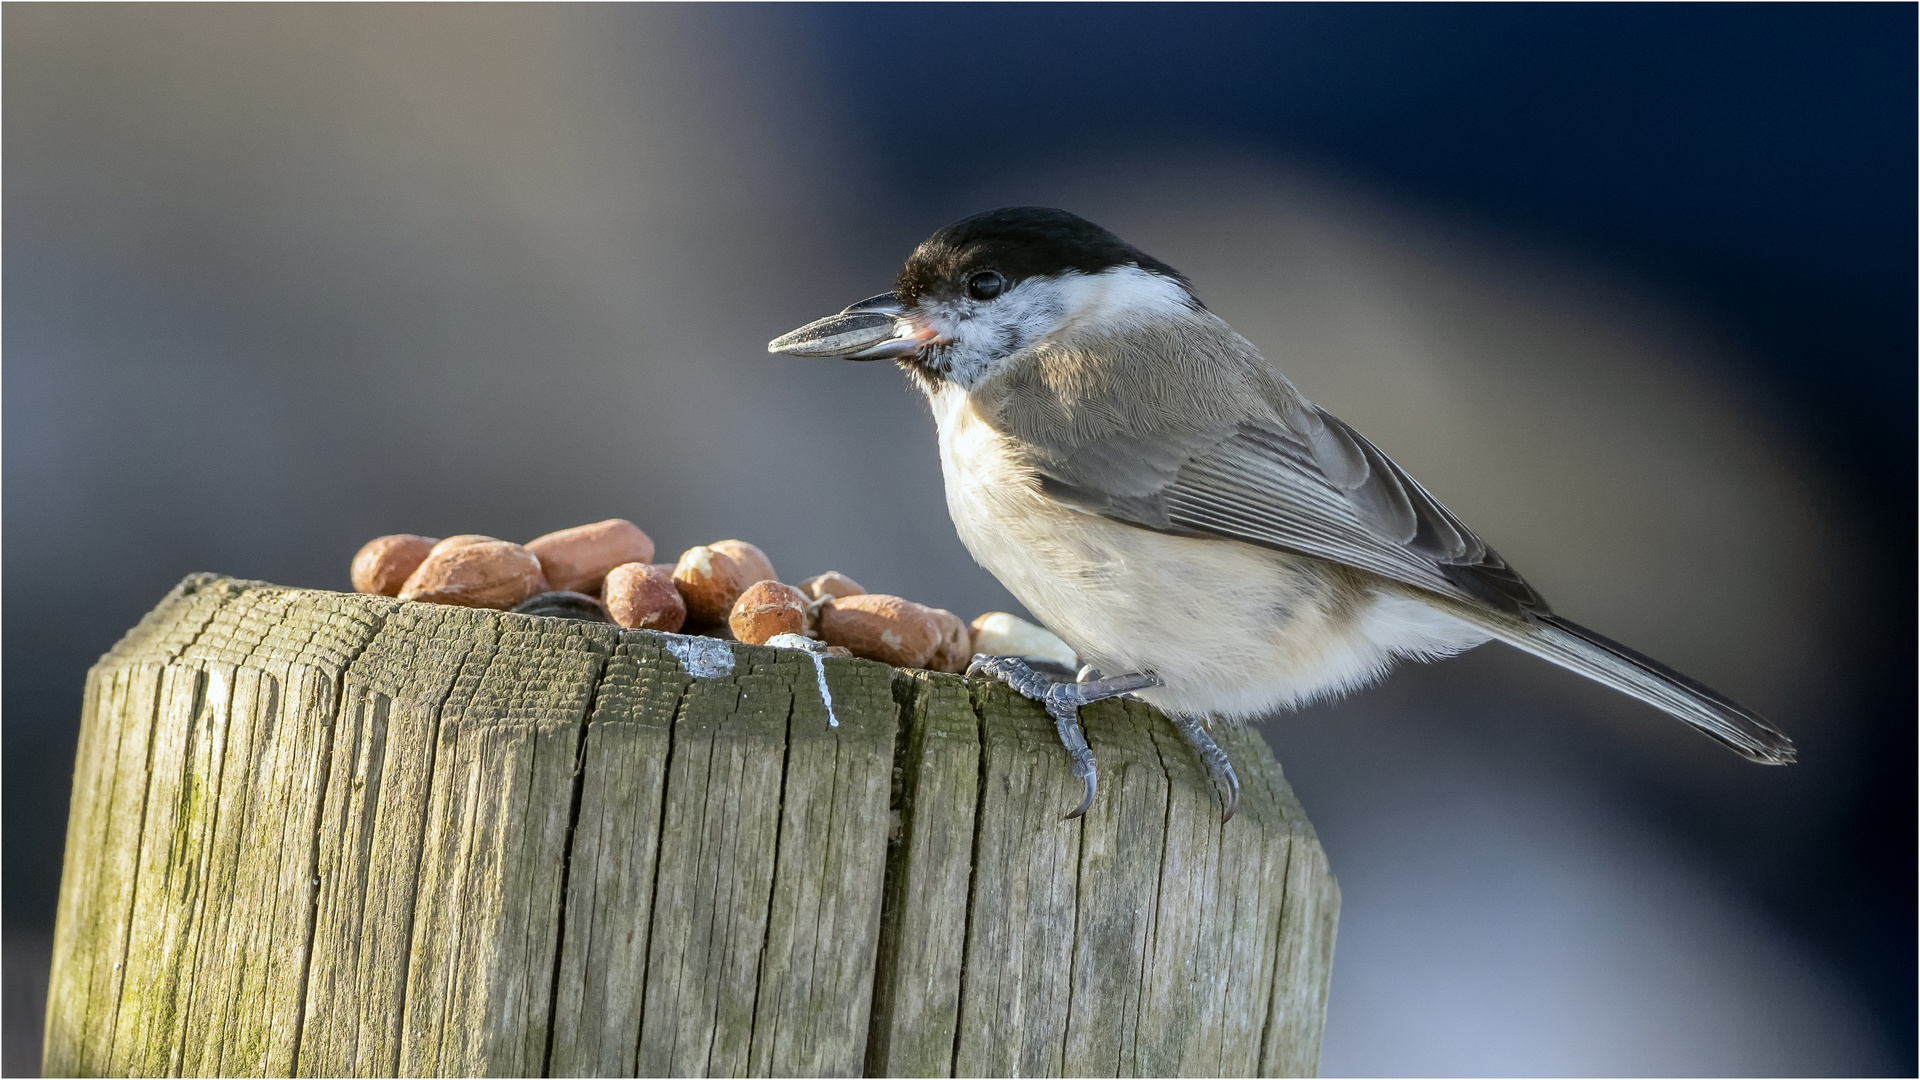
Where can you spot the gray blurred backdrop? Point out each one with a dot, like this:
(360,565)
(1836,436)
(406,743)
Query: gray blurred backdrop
(280,279)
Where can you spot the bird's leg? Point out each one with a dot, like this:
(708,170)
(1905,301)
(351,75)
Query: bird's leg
(1219,769)
(1062,700)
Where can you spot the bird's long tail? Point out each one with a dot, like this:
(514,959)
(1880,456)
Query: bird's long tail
(1610,663)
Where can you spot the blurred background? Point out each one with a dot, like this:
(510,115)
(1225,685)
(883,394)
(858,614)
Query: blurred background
(1631,288)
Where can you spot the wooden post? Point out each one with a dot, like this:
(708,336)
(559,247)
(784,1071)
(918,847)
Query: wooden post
(319,833)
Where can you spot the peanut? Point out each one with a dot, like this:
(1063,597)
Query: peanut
(577,559)
(881,627)
(956,643)
(460,540)
(712,576)
(999,634)
(484,574)
(832,583)
(385,563)
(640,596)
(753,563)
(768,608)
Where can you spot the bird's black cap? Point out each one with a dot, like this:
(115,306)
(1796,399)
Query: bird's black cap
(1019,242)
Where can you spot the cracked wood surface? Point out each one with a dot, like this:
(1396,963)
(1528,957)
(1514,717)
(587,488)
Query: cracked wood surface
(328,834)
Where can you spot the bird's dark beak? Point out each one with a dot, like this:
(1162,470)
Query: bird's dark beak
(876,328)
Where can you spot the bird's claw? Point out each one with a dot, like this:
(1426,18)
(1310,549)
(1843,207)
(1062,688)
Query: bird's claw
(1013,671)
(1066,723)
(1219,769)
(1062,700)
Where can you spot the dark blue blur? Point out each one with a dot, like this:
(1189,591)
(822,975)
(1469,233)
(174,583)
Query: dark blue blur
(1755,161)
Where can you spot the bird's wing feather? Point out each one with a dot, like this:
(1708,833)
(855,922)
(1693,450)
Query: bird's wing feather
(1306,483)
(1268,468)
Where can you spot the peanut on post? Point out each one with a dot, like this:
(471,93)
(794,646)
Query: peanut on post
(578,559)
(768,608)
(712,576)
(385,563)
(881,627)
(708,582)
(641,596)
(460,540)
(752,563)
(956,643)
(999,634)
(729,586)
(485,574)
(833,583)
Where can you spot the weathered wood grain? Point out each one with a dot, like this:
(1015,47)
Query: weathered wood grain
(916,1007)
(715,876)
(1304,951)
(1017,970)
(816,968)
(329,834)
(610,876)
(1123,848)
(372,833)
(106,819)
(97,883)
(486,922)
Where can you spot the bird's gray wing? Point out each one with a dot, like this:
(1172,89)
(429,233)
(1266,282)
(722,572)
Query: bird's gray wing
(1280,473)
(1306,483)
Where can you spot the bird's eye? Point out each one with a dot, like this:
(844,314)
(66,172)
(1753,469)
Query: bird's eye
(985,285)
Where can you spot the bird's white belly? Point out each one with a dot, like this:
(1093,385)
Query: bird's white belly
(1233,630)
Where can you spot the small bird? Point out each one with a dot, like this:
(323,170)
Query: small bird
(1165,501)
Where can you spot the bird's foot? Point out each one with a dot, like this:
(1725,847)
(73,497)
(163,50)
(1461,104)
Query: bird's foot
(1219,769)
(1062,700)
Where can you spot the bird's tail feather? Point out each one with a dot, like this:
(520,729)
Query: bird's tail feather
(1610,663)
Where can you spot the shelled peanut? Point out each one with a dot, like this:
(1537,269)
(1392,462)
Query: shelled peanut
(729,588)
